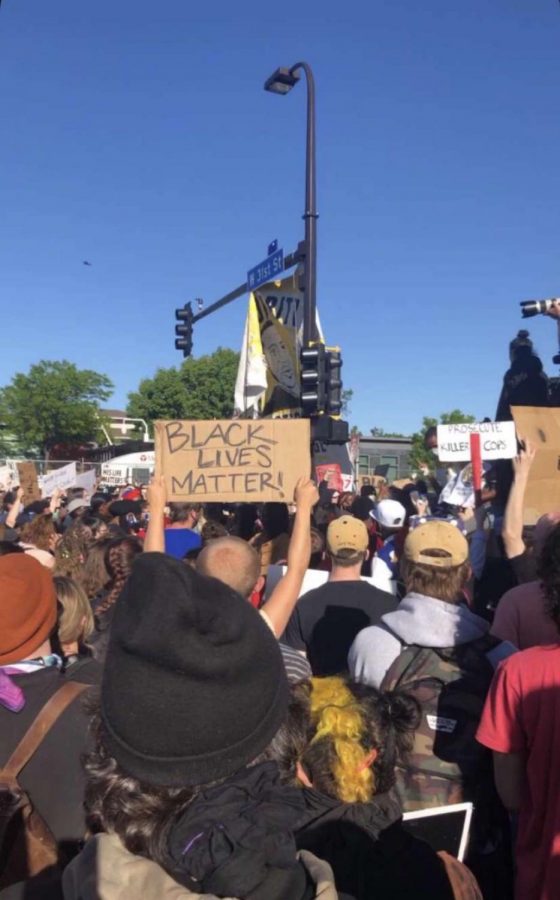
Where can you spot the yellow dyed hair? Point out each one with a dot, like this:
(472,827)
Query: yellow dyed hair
(340,719)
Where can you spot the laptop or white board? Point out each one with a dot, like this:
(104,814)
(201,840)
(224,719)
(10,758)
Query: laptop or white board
(442,827)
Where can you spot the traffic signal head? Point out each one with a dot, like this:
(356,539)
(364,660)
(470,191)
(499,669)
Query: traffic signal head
(313,376)
(184,330)
(334,382)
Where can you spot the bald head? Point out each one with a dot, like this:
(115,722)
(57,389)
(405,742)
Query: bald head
(233,561)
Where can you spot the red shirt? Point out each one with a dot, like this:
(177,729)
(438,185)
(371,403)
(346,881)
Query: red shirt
(522,715)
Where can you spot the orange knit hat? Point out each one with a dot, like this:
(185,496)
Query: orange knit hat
(27,606)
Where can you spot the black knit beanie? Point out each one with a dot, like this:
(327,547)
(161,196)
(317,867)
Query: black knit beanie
(194,687)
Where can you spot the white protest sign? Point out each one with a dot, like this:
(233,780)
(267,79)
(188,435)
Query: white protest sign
(497,441)
(86,480)
(459,490)
(8,477)
(62,478)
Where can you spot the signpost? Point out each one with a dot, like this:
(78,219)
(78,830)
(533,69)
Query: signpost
(267,270)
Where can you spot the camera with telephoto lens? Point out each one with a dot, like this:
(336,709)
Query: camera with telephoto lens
(531,308)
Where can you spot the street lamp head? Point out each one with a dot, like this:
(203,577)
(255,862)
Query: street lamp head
(281,81)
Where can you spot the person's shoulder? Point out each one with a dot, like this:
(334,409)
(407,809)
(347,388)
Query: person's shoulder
(85,670)
(526,663)
(521,594)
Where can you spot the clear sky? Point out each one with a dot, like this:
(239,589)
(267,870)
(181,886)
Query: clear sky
(137,135)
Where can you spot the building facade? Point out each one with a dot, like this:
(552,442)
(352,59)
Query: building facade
(386,456)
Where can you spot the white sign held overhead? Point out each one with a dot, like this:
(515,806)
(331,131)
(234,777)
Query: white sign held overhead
(497,441)
(8,477)
(62,478)
(87,481)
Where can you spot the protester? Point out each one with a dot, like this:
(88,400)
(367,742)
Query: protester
(521,725)
(237,564)
(182,796)
(434,647)
(272,543)
(522,615)
(327,619)
(119,557)
(344,755)
(75,509)
(361,509)
(38,538)
(523,560)
(31,676)
(180,536)
(71,552)
(390,516)
(74,628)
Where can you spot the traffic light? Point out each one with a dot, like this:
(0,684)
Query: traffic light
(321,384)
(313,377)
(183,341)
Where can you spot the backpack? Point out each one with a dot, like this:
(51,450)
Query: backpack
(27,845)
(446,764)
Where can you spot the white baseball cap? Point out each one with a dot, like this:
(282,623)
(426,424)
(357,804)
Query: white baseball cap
(389,514)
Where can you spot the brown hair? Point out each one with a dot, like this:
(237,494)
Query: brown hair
(211,531)
(94,574)
(346,559)
(440,583)
(180,512)
(75,622)
(39,532)
(71,552)
(119,557)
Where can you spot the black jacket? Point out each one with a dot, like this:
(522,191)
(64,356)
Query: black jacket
(372,856)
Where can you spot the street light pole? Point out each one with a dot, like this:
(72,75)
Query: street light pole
(282,81)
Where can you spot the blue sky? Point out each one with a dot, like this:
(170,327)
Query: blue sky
(137,135)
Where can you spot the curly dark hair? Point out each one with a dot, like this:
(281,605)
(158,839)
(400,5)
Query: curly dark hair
(548,571)
(142,814)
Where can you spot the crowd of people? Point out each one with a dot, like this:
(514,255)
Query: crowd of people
(241,701)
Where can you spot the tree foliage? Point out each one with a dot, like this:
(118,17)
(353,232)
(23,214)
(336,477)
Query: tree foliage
(54,403)
(419,456)
(346,401)
(201,388)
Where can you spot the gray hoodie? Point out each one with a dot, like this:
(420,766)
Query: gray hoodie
(418,620)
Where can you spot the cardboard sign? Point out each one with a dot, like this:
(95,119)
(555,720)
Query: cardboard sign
(377,481)
(497,441)
(245,460)
(62,478)
(540,426)
(29,482)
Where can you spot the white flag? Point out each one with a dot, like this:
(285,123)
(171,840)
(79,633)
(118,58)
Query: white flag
(251,381)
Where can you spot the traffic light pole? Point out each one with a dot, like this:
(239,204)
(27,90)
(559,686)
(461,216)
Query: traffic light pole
(293,259)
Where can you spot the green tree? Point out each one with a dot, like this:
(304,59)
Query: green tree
(419,456)
(346,401)
(200,389)
(54,403)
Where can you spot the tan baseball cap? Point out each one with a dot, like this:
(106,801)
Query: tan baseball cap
(436,535)
(347,533)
